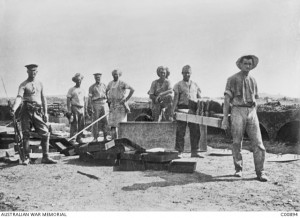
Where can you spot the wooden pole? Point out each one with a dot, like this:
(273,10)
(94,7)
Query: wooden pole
(74,136)
(203,138)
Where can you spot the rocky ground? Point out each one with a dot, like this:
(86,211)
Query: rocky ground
(73,185)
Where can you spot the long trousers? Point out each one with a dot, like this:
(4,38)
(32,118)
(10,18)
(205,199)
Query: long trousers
(194,136)
(33,116)
(78,122)
(99,111)
(245,119)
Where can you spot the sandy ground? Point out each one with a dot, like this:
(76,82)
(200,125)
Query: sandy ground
(211,188)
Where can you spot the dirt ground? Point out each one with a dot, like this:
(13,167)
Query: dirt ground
(210,188)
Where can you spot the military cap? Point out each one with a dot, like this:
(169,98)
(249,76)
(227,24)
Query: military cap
(97,74)
(31,66)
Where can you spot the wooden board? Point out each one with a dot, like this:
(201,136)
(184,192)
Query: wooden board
(284,158)
(220,152)
(207,121)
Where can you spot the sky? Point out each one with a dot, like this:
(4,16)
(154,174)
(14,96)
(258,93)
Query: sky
(65,37)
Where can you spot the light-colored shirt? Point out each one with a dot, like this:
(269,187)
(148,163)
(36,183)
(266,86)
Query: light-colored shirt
(157,87)
(187,91)
(116,90)
(241,89)
(76,96)
(97,91)
(31,91)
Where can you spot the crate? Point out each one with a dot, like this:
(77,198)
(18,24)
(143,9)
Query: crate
(7,145)
(182,166)
(160,157)
(157,166)
(131,155)
(7,138)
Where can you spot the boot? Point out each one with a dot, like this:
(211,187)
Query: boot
(48,160)
(45,147)
(25,152)
(196,154)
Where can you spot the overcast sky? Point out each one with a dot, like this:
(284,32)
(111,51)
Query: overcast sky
(65,37)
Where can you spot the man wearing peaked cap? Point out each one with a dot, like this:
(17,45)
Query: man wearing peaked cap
(241,93)
(33,112)
(96,106)
(76,107)
(31,66)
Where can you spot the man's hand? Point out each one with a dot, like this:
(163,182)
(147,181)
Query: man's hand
(225,123)
(157,99)
(11,112)
(123,101)
(45,118)
(90,111)
(174,116)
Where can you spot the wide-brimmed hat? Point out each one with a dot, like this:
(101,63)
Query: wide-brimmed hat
(77,77)
(253,57)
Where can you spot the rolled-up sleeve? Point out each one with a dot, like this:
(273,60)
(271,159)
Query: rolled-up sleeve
(69,94)
(176,88)
(228,88)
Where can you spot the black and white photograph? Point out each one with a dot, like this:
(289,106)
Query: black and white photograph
(149,106)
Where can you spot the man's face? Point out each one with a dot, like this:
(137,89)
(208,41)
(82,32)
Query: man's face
(163,73)
(98,78)
(186,74)
(246,65)
(32,73)
(116,76)
(78,82)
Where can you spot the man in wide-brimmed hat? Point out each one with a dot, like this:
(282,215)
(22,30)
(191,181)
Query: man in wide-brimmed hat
(161,95)
(241,92)
(76,107)
(33,113)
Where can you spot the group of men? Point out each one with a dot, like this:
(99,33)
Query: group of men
(240,93)
(114,94)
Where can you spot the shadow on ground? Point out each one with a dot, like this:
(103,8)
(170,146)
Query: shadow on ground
(174,179)
(75,160)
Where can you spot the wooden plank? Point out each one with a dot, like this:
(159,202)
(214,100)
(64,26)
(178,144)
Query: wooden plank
(181,116)
(203,138)
(207,121)
(211,121)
